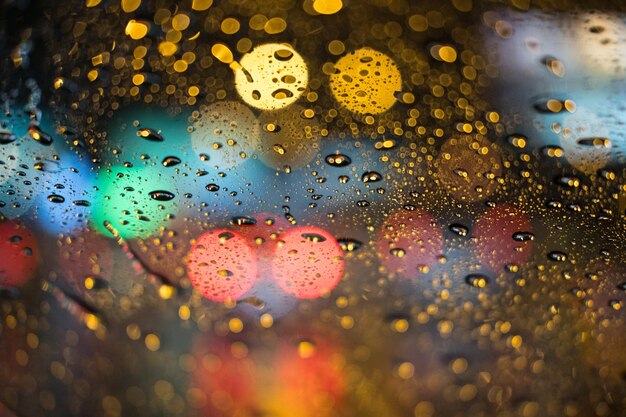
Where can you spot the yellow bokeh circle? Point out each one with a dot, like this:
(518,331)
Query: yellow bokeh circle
(366,81)
(271,77)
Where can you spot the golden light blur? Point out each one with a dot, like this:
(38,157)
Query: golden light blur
(366,81)
(272,76)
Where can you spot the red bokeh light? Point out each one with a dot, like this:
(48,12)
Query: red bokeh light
(303,377)
(310,377)
(19,254)
(409,241)
(226,376)
(308,262)
(222,265)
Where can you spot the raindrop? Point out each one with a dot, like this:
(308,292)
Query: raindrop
(595,142)
(170,161)
(523,236)
(557,256)
(149,134)
(338,160)
(161,195)
(477,280)
(243,221)
(567,181)
(349,245)
(55,198)
(313,237)
(458,229)
(371,176)
(212,187)
(7,137)
(39,135)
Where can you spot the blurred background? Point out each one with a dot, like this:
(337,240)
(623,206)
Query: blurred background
(312,208)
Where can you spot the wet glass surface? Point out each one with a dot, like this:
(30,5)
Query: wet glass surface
(312,208)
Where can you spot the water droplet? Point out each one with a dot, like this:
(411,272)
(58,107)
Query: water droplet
(554,204)
(371,176)
(517,140)
(161,195)
(398,252)
(55,198)
(254,302)
(552,106)
(243,221)
(349,245)
(552,151)
(149,134)
(170,161)
(338,160)
(7,137)
(279,149)
(458,229)
(557,256)
(212,187)
(553,65)
(567,181)
(477,280)
(39,135)
(595,142)
(313,237)
(81,203)
(523,236)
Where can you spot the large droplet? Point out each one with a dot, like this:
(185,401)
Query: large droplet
(149,134)
(39,135)
(458,229)
(243,221)
(349,245)
(338,160)
(161,195)
(170,161)
(557,256)
(371,176)
(7,137)
(523,236)
(477,280)
(55,198)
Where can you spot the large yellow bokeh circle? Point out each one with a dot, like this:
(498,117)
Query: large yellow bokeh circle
(366,81)
(271,77)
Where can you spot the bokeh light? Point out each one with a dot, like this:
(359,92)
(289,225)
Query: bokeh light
(222,265)
(135,201)
(20,254)
(272,76)
(308,262)
(366,81)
